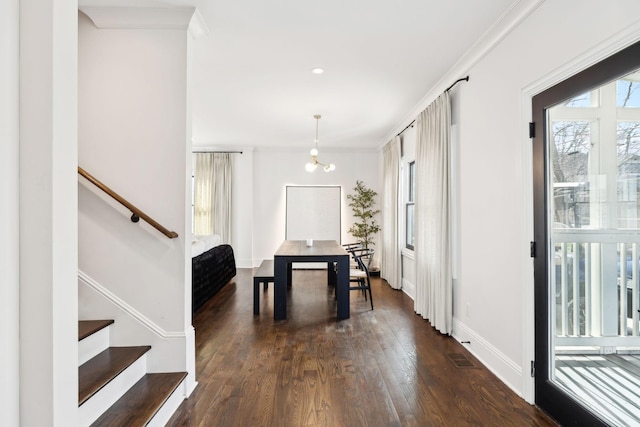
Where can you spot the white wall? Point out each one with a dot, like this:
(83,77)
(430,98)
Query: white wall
(496,278)
(274,169)
(135,137)
(493,300)
(242,208)
(9,214)
(48,213)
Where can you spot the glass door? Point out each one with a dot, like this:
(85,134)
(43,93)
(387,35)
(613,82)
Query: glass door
(587,226)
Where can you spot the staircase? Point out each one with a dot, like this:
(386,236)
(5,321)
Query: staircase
(114,386)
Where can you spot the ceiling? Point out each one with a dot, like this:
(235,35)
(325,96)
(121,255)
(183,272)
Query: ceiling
(252,79)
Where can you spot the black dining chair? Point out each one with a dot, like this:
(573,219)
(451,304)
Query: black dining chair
(350,247)
(360,276)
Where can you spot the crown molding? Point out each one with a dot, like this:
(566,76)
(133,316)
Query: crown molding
(198,26)
(511,19)
(147,18)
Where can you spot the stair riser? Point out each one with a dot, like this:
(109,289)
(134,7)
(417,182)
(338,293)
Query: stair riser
(89,411)
(163,415)
(93,344)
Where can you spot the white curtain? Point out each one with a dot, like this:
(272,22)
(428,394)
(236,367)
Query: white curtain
(434,295)
(212,195)
(390,267)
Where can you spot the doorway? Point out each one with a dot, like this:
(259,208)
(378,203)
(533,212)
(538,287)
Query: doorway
(586,166)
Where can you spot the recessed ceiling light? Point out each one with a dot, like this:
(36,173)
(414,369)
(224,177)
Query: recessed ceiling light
(317,70)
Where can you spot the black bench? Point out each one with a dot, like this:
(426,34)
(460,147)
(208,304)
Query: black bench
(263,275)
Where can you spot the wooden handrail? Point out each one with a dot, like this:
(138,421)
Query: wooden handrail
(136,213)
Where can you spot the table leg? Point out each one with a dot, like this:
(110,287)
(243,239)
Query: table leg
(279,288)
(342,287)
(256,296)
(331,274)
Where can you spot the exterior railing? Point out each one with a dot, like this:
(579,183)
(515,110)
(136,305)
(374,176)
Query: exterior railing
(596,280)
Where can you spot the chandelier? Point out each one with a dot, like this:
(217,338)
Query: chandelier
(313,164)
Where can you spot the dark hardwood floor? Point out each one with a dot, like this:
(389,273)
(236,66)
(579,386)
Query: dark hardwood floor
(385,367)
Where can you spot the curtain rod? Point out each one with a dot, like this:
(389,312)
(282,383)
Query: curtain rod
(212,151)
(408,126)
(466,79)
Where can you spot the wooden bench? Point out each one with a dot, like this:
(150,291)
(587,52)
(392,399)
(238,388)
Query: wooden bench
(263,275)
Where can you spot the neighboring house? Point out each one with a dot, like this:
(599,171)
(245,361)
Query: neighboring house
(140,145)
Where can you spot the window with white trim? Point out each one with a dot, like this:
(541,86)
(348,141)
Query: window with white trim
(410,205)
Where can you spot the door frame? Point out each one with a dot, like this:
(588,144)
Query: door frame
(547,395)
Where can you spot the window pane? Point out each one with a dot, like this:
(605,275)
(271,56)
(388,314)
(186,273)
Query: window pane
(580,101)
(410,234)
(628,142)
(412,169)
(570,153)
(628,93)
(628,147)
(410,205)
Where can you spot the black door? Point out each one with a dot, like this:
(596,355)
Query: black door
(586,224)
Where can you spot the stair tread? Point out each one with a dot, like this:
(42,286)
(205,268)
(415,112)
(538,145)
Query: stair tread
(97,372)
(138,405)
(88,327)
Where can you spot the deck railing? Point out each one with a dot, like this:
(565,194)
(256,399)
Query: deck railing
(596,280)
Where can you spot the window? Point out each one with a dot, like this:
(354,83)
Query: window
(596,143)
(410,205)
(212,194)
(628,91)
(193,199)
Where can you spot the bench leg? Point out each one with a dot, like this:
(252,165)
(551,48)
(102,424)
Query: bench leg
(256,296)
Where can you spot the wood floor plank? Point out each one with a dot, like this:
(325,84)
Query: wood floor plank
(385,367)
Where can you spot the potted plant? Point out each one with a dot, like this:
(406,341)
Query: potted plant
(362,203)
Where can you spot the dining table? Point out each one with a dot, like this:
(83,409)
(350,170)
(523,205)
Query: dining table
(307,251)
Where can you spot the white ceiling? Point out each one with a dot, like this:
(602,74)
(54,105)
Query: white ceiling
(252,80)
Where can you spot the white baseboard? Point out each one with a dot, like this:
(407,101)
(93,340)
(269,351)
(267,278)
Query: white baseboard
(508,371)
(190,388)
(190,382)
(131,311)
(246,263)
(409,288)
(169,407)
